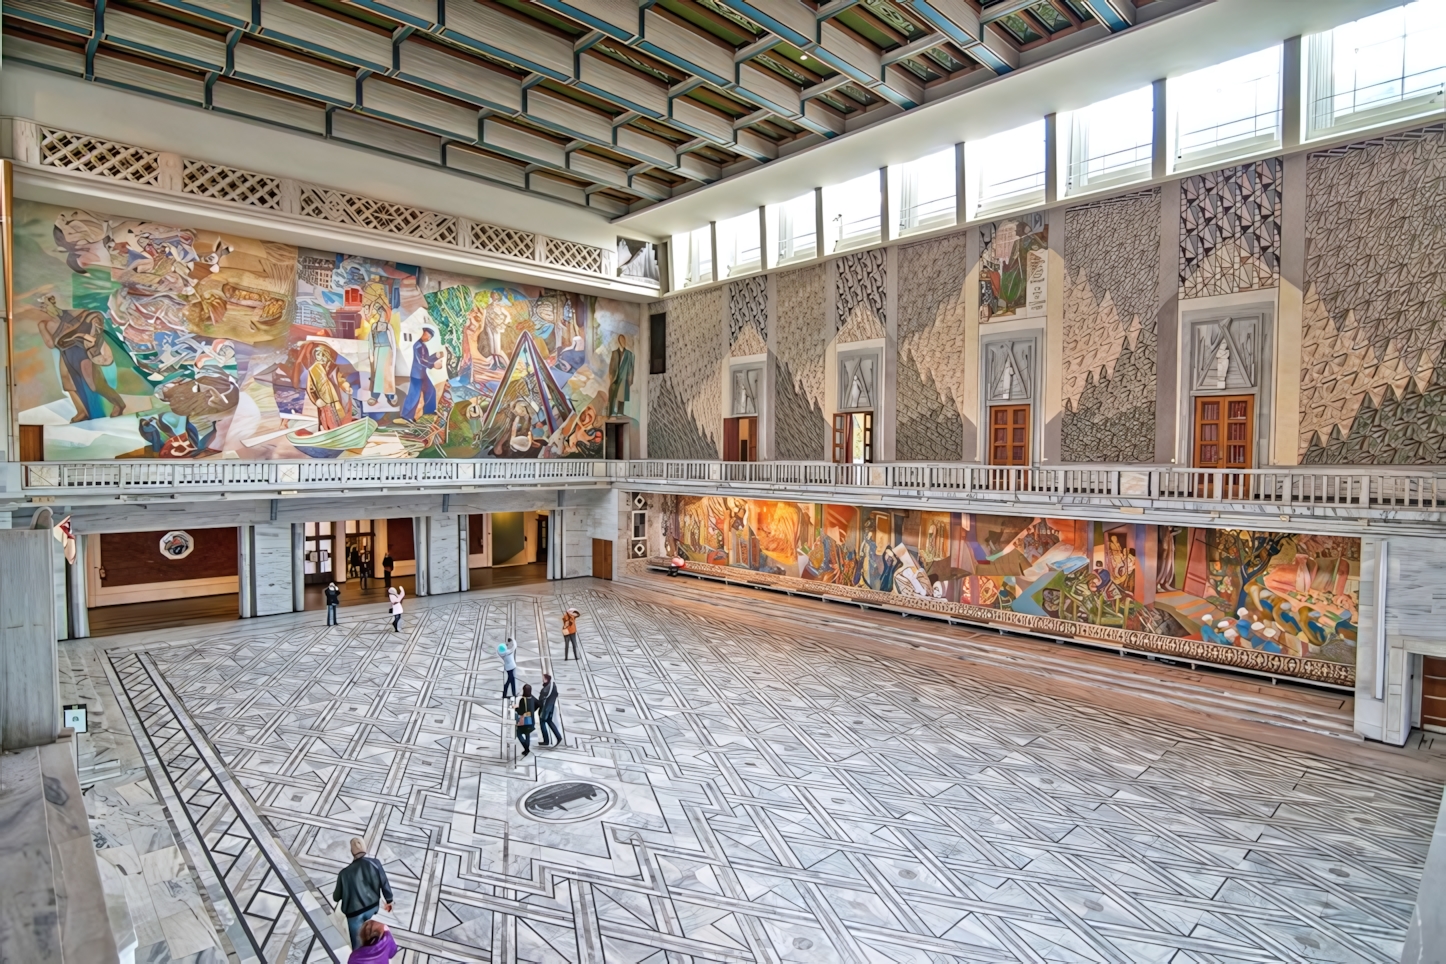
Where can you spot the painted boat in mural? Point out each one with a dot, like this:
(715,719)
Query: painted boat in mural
(330,444)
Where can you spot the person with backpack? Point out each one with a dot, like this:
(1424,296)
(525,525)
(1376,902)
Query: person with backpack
(569,635)
(359,889)
(525,714)
(508,656)
(387,566)
(547,697)
(333,599)
(395,595)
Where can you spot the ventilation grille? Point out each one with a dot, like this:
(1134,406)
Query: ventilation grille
(570,254)
(230,184)
(366,212)
(93,155)
(516,244)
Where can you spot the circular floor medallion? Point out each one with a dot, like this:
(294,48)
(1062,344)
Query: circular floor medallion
(567,801)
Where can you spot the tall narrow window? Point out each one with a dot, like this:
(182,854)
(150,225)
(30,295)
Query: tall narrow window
(922,193)
(1227,111)
(1110,141)
(738,250)
(793,230)
(692,256)
(657,343)
(851,213)
(1006,171)
(1381,69)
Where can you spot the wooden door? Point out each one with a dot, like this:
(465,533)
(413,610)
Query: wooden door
(32,443)
(1009,435)
(748,439)
(1433,692)
(602,558)
(1224,431)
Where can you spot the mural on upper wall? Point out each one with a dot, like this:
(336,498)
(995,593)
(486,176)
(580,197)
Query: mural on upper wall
(1372,386)
(1112,269)
(1230,230)
(1013,268)
(142,340)
(1268,601)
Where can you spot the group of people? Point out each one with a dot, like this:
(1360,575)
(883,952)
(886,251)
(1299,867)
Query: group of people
(531,712)
(395,595)
(359,564)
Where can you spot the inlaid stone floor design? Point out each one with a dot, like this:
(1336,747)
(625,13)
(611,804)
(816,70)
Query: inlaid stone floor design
(767,797)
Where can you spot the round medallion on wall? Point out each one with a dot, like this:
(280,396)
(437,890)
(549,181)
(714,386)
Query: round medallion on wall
(566,802)
(177,544)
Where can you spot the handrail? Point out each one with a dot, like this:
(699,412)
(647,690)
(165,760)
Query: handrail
(1360,486)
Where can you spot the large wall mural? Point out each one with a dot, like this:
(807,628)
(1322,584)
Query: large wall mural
(141,340)
(1372,389)
(1266,601)
(1112,258)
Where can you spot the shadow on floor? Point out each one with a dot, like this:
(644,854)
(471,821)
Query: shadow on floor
(174,613)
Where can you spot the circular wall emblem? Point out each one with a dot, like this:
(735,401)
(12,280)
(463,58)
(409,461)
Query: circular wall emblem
(566,802)
(177,544)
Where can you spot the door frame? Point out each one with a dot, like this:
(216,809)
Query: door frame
(1210,309)
(1023,329)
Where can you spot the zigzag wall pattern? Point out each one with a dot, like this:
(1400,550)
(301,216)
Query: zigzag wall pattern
(800,431)
(930,375)
(685,407)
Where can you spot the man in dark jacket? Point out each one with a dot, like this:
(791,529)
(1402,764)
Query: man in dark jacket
(360,887)
(333,599)
(547,696)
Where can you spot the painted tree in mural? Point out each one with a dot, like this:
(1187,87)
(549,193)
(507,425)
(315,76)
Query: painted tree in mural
(1251,552)
(448,309)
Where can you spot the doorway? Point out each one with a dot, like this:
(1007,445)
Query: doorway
(1433,693)
(616,441)
(740,439)
(1009,435)
(853,437)
(602,558)
(316,553)
(1224,435)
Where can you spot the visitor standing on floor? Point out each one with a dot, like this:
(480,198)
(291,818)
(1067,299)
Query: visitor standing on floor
(360,887)
(387,566)
(547,697)
(569,635)
(525,712)
(366,568)
(377,944)
(333,599)
(395,595)
(508,656)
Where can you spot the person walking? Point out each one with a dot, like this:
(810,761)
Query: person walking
(366,568)
(395,595)
(333,599)
(547,697)
(377,944)
(359,889)
(569,635)
(508,656)
(525,713)
(387,566)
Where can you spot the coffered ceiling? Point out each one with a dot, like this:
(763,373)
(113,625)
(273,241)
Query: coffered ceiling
(613,104)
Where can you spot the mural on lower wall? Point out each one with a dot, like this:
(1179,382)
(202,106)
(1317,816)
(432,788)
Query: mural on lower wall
(1267,601)
(142,340)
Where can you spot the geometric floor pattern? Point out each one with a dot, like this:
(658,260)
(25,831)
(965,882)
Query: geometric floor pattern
(766,797)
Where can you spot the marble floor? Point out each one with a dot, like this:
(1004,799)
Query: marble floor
(727,792)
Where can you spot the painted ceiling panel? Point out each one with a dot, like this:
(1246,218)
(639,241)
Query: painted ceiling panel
(502,170)
(281,110)
(266,65)
(532,44)
(128,73)
(459,76)
(380,135)
(313,28)
(686,47)
(404,103)
(606,76)
(572,118)
(515,140)
(201,48)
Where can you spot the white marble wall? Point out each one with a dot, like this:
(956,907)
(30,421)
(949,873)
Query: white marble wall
(271,548)
(1415,624)
(442,554)
(601,516)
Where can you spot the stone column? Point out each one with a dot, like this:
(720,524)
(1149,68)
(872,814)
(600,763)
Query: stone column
(245,589)
(338,552)
(76,578)
(421,581)
(442,547)
(464,564)
(29,680)
(298,566)
(271,569)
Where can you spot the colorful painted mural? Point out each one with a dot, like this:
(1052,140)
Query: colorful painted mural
(1013,268)
(1265,600)
(142,340)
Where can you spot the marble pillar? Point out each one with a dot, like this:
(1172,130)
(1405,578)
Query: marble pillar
(29,679)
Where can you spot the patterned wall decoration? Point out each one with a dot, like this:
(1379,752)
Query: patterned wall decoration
(930,378)
(1112,257)
(800,342)
(1013,268)
(1375,325)
(860,283)
(1267,601)
(141,340)
(685,404)
(1230,230)
(748,316)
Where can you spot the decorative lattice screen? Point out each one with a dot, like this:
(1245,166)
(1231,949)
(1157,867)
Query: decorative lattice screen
(94,155)
(366,212)
(570,254)
(517,244)
(230,184)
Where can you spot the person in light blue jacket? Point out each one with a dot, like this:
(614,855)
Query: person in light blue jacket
(509,663)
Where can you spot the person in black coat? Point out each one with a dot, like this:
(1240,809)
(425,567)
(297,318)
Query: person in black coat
(547,696)
(525,713)
(360,887)
(333,599)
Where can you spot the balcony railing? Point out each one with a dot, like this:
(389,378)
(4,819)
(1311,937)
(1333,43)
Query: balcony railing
(1341,487)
